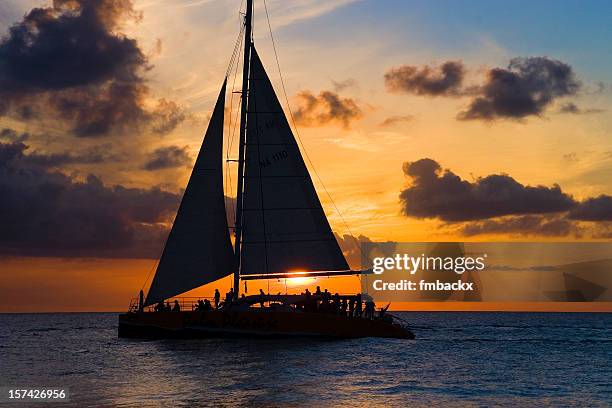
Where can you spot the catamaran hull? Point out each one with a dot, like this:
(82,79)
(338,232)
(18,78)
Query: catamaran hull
(253,324)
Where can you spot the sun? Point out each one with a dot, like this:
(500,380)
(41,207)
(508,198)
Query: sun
(302,281)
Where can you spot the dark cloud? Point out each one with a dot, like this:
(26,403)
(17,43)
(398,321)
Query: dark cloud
(166,116)
(95,155)
(168,157)
(593,209)
(395,120)
(351,248)
(573,109)
(437,193)
(522,225)
(13,136)
(17,147)
(340,86)
(47,213)
(498,204)
(327,107)
(69,63)
(525,88)
(445,79)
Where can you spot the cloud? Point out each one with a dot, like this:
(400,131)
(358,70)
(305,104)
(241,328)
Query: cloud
(168,157)
(69,63)
(593,209)
(396,120)
(524,225)
(17,147)
(498,204)
(444,80)
(351,248)
(340,86)
(44,212)
(573,109)
(13,136)
(328,107)
(437,193)
(525,88)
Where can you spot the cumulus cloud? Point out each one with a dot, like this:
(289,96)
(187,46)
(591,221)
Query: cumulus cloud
(573,109)
(13,136)
(593,209)
(443,80)
(351,248)
(525,88)
(44,212)
(93,155)
(523,225)
(68,62)
(498,204)
(340,86)
(396,120)
(437,193)
(325,108)
(167,157)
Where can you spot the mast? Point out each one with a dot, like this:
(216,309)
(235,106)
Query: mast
(243,113)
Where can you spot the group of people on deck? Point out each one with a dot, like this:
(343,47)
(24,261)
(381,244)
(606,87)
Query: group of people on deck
(165,307)
(325,302)
(351,306)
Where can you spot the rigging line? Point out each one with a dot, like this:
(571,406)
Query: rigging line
(232,134)
(149,274)
(298,134)
(235,51)
(231,141)
(236,62)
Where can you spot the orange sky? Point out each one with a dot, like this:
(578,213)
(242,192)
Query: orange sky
(100,285)
(360,162)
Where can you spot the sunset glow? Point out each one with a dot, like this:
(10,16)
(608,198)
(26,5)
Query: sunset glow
(406,128)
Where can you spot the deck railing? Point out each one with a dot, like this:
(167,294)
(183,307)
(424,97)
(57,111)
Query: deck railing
(191,303)
(185,303)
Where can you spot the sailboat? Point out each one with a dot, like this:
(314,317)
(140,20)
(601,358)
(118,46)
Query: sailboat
(281,231)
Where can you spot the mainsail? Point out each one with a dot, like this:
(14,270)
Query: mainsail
(198,250)
(284,227)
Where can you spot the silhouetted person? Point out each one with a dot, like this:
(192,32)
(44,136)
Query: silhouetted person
(177,307)
(324,306)
(168,308)
(217,298)
(229,296)
(326,295)
(200,305)
(308,301)
(207,306)
(318,292)
(262,297)
(370,307)
(336,303)
(359,305)
(351,306)
(160,306)
(343,307)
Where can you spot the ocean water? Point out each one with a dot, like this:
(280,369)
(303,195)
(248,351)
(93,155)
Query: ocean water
(458,359)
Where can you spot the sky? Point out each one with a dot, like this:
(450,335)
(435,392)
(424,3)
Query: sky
(426,121)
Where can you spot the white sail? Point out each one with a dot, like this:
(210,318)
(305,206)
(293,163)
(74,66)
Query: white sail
(198,250)
(284,227)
